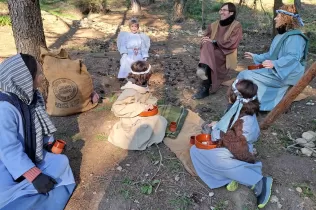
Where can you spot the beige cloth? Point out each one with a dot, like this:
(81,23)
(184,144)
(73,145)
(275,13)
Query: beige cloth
(181,145)
(70,84)
(133,132)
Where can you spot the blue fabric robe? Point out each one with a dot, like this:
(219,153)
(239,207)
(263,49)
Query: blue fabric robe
(14,163)
(217,167)
(288,70)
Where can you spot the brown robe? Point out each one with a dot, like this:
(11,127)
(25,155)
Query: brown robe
(236,142)
(215,57)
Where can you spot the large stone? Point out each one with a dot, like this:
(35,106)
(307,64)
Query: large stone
(307,152)
(309,136)
(301,141)
(309,144)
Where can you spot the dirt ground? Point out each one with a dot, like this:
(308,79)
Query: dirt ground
(111,178)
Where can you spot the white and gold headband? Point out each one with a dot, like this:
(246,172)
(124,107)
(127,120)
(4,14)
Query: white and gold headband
(144,72)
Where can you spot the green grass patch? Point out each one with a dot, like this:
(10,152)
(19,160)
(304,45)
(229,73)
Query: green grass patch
(182,202)
(5,20)
(58,8)
(101,137)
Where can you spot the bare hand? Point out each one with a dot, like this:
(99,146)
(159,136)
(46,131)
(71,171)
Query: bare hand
(212,124)
(268,64)
(248,55)
(205,39)
(149,107)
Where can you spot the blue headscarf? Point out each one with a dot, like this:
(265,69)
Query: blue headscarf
(297,16)
(234,111)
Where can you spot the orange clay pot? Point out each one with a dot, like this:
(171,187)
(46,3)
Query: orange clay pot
(173,126)
(203,141)
(149,113)
(58,146)
(254,67)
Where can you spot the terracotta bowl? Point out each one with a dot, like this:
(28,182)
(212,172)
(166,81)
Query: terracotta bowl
(149,113)
(58,146)
(254,67)
(203,141)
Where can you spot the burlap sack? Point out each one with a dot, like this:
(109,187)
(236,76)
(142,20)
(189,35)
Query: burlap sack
(181,145)
(70,85)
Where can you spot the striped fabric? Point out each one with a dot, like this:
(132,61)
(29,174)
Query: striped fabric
(16,78)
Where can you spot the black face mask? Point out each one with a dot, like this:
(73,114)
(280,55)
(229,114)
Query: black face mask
(281,29)
(227,21)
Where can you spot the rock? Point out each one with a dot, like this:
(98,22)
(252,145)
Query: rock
(211,194)
(279,206)
(309,136)
(177,178)
(307,152)
(274,199)
(298,189)
(119,168)
(312,133)
(309,144)
(301,141)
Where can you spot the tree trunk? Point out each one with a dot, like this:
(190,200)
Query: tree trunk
(298,4)
(277,5)
(136,8)
(178,15)
(27,26)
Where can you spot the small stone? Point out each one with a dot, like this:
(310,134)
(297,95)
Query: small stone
(308,136)
(136,201)
(301,141)
(279,205)
(277,191)
(309,144)
(290,189)
(211,194)
(212,207)
(91,174)
(146,175)
(274,199)
(307,152)
(298,189)
(94,193)
(312,133)
(156,162)
(177,178)
(119,168)
(128,165)
(274,134)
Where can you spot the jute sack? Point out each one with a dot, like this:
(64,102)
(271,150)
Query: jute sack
(70,85)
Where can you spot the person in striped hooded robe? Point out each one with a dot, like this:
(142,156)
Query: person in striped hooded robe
(31,177)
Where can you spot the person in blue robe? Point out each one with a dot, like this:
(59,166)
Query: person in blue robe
(31,177)
(219,167)
(284,64)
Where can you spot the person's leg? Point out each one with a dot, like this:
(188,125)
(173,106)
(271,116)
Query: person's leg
(203,72)
(56,199)
(263,191)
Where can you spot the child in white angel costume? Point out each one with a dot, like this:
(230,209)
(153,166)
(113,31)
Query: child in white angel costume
(133,46)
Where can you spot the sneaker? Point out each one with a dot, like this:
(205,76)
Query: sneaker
(202,93)
(201,73)
(232,186)
(265,194)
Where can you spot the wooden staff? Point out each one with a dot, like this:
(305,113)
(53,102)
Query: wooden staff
(289,97)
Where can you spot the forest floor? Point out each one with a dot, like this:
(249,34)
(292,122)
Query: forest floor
(112,178)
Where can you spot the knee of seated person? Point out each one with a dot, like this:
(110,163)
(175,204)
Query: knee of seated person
(62,160)
(243,74)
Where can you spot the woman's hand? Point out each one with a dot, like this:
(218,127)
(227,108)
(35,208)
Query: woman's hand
(248,55)
(268,64)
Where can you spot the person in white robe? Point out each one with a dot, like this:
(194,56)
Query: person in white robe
(133,46)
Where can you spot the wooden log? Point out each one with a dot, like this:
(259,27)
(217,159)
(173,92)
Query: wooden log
(289,97)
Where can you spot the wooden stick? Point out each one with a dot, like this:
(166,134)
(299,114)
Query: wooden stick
(289,97)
